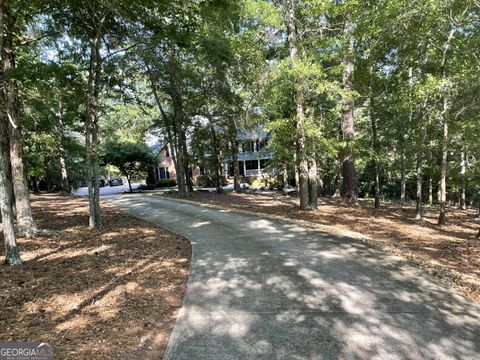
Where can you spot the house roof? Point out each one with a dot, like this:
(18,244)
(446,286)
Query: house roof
(254,134)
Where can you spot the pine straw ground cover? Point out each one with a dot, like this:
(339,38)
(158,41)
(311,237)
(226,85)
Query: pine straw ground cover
(108,293)
(450,253)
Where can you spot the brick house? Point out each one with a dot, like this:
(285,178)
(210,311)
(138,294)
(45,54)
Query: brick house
(253,158)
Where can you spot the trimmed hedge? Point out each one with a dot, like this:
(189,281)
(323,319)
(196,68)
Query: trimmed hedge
(147,187)
(166,183)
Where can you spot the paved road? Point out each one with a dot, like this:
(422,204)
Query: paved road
(106,190)
(267,289)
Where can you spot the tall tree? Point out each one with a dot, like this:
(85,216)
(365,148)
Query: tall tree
(25,224)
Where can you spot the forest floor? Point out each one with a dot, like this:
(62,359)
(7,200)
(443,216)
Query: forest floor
(450,253)
(107,293)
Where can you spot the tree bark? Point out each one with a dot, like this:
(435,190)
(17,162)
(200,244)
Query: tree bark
(463,203)
(376,154)
(236,165)
(186,162)
(12,254)
(336,179)
(430,191)
(25,224)
(349,188)
(216,154)
(91,131)
(443,165)
(419,166)
(301,153)
(444,122)
(33,181)
(61,150)
(129,183)
(403,180)
(313,184)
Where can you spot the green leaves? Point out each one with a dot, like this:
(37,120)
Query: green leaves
(129,158)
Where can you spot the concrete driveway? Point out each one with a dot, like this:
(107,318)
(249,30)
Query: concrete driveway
(267,289)
(106,190)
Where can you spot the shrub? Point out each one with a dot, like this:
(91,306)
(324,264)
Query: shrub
(166,183)
(265,183)
(207,181)
(147,187)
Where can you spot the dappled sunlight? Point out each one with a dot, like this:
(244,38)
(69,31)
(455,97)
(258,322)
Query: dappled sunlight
(263,288)
(94,293)
(76,252)
(448,252)
(199,223)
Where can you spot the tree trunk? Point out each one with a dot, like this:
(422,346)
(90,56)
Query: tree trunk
(430,191)
(463,203)
(312,184)
(91,132)
(444,122)
(236,165)
(403,177)
(33,181)
(25,224)
(349,188)
(186,163)
(12,254)
(216,154)
(178,128)
(419,166)
(172,140)
(336,179)
(129,183)
(301,154)
(61,151)
(376,150)
(443,165)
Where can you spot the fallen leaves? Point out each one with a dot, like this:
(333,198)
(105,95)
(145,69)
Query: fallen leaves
(96,293)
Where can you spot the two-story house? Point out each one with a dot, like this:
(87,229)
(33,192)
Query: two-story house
(253,158)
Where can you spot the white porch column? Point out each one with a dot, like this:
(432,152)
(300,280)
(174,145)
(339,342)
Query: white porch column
(244,169)
(258,165)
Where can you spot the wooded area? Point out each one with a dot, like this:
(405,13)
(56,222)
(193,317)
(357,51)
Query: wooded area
(361,99)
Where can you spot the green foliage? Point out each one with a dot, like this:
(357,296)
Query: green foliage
(146,187)
(266,183)
(130,158)
(209,181)
(165,183)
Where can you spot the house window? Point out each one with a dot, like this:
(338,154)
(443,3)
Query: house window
(261,144)
(167,151)
(164,174)
(248,146)
(251,165)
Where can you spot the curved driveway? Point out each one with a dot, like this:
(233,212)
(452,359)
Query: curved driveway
(268,289)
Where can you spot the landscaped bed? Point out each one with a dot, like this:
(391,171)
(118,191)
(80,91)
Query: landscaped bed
(451,253)
(107,293)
